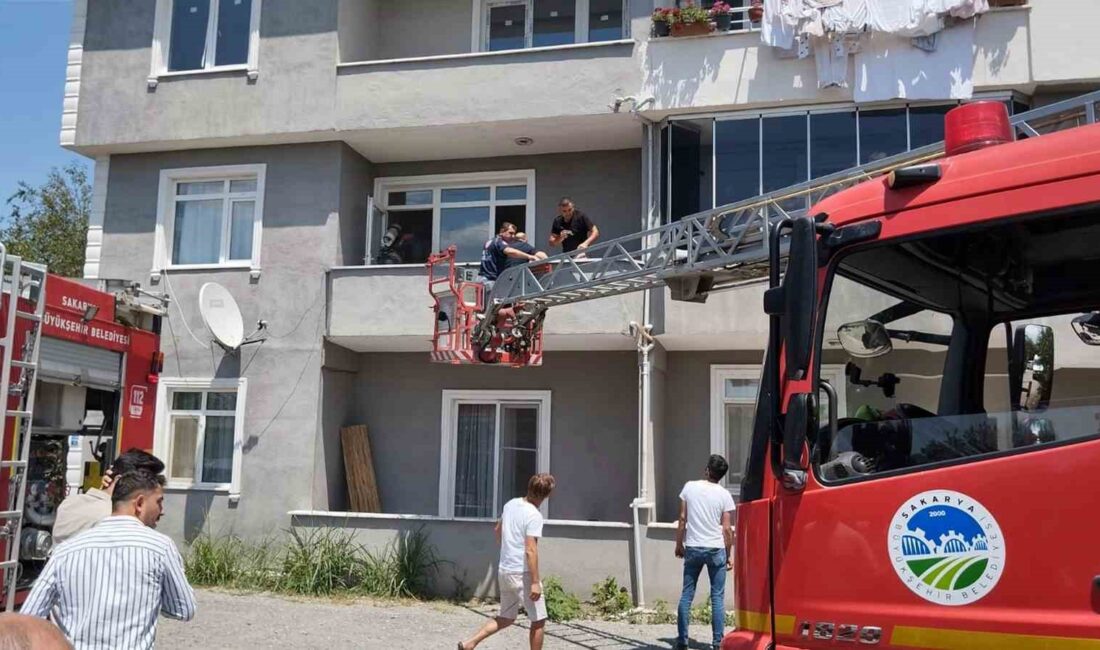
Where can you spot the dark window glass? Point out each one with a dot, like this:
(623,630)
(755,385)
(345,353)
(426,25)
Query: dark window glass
(665,135)
(832,143)
(507,27)
(513,214)
(467,229)
(407,238)
(605,20)
(187,47)
(555,22)
(784,149)
(234,19)
(737,149)
(881,134)
(414,197)
(688,176)
(1019,107)
(511,192)
(926,124)
(464,195)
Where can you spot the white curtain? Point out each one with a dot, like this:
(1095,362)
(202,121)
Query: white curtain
(217,452)
(197,233)
(476,429)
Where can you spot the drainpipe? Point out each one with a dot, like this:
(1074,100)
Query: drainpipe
(644,342)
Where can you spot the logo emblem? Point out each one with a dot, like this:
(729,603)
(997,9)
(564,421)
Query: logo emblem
(946,547)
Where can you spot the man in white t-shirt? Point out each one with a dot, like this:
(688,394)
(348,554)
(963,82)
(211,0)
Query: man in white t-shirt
(518,533)
(704,536)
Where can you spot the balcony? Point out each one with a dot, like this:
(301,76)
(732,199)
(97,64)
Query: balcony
(388,309)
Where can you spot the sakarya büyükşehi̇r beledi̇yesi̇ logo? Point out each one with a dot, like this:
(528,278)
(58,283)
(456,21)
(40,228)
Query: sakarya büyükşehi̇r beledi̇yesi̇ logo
(946,547)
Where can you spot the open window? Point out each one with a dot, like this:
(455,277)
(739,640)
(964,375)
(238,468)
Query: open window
(519,24)
(205,35)
(961,345)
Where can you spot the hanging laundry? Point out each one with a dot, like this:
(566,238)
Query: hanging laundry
(903,18)
(890,67)
(775,30)
(957,8)
(926,43)
(831,60)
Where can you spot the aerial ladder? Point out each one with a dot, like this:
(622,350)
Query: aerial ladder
(24,304)
(699,254)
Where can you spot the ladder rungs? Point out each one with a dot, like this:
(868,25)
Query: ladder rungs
(24,364)
(10,564)
(18,414)
(11,514)
(12,463)
(28,315)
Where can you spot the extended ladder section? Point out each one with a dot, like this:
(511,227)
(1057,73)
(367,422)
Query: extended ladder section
(24,308)
(724,247)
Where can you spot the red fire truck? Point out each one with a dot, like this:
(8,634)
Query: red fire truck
(938,492)
(80,366)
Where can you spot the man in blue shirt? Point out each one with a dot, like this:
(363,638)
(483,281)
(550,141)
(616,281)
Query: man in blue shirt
(498,252)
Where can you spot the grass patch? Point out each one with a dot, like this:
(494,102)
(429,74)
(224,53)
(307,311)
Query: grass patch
(315,562)
(561,605)
(610,599)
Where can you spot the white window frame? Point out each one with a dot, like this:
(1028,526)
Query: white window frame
(449,448)
(166,216)
(436,183)
(480,36)
(162,434)
(162,35)
(719,373)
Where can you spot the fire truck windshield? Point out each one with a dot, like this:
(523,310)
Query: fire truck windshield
(961,344)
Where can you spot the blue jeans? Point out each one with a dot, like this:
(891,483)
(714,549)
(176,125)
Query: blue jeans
(695,558)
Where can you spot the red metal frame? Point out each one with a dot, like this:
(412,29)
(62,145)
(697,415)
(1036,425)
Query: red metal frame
(459,306)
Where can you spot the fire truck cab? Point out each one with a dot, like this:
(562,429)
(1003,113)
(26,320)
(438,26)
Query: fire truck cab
(94,373)
(942,496)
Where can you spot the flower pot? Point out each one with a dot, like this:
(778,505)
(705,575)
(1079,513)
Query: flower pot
(691,29)
(722,22)
(756,13)
(661,28)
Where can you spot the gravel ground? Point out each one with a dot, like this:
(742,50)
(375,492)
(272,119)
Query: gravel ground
(227,620)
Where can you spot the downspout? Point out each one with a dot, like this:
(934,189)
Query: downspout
(644,342)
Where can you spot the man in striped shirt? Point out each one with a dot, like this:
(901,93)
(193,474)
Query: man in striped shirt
(109,583)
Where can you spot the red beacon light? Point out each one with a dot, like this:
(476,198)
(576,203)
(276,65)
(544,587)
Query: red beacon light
(975,126)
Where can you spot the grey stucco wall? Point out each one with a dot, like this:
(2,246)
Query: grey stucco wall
(293,94)
(578,555)
(606,185)
(593,437)
(423,28)
(357,29)
(300,240)
(687,420)
(338,377)
(356,179)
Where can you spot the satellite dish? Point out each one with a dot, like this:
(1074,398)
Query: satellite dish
(221,315)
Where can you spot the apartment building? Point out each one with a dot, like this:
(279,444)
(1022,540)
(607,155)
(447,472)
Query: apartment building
(268,145)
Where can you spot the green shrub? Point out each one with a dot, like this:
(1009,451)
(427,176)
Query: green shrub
(215,561)
(609,598)
(661,614)
(561,605)
(321,562)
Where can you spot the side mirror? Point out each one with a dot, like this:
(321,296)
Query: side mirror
(800,298)
(1032,371)
(865,339)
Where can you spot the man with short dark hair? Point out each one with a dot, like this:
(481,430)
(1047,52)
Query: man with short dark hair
(704,536)
(497,252)
(521,244)
(79,512)
(108,584)
(518,533)
(572,229)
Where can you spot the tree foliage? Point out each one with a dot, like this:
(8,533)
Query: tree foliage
(48,224)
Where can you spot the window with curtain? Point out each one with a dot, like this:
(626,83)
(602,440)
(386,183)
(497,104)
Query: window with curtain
(208,34)
(518,24)
(201,435)
(213,220)
(492,447)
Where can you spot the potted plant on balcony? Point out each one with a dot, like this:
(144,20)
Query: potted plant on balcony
(756,11)
(662,21)
(692,21)
(722,14)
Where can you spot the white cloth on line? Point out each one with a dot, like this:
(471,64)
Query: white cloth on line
(957,8)
(889,67)
(777,29)
(903,18)
(831,60)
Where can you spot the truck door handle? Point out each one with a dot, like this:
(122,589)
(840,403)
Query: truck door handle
(1096,594)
